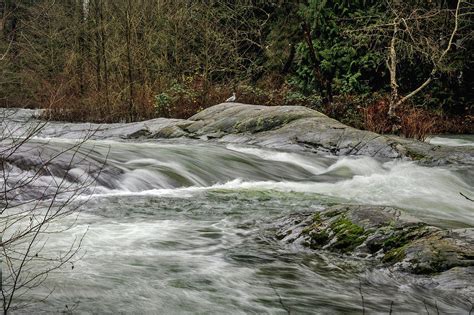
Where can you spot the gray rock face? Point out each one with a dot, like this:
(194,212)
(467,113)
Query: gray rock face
(283,127)
(385,234)
(300,128)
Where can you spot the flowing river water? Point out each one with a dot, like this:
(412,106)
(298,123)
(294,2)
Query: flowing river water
(185,227)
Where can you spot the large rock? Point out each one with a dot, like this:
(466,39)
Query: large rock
(282,127)
(384,234)
(300,128)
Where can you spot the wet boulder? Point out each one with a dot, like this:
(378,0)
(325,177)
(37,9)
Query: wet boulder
(385,234)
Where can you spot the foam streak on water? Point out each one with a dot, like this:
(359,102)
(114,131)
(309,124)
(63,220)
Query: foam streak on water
(183,170)
(182,228)
(430,193)
(456,140)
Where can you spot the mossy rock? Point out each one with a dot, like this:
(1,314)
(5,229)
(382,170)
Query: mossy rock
(440,251)
(395,255)
(385,234)
(348,235)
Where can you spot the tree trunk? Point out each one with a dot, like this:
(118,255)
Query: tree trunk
(98,48)
(82,46)
(103,51)
(129,60)
(392,68)
(10,24)
(395,99)
(321,81)
(289,61)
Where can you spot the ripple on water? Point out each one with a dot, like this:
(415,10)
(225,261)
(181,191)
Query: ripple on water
(206,247)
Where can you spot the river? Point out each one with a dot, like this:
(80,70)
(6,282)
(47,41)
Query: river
(185,227)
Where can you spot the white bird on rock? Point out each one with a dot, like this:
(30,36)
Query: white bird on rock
(232,98)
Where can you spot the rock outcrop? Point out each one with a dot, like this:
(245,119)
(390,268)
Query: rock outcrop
(294,128)
(385,234)
(300,128)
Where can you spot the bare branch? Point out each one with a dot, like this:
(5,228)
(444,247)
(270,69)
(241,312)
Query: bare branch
(438,62)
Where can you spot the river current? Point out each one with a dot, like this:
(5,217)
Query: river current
(185,227)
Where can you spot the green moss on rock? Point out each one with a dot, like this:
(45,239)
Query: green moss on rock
(389,236)
(348,234)
(415,155)
(317,217)
(400,237)
(394,255)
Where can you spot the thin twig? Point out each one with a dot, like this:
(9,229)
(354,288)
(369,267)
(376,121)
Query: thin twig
(466,197)
(426,307)
(286,308)
(361,296)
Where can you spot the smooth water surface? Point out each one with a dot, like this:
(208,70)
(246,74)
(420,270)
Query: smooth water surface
(452,140)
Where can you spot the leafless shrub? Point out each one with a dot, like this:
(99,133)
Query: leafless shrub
(39,185)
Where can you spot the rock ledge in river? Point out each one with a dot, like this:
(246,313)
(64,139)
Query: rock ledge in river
(383,233)
(301,128)
(292,128)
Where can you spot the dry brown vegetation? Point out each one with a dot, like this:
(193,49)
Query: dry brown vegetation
(415,122)
(126,60)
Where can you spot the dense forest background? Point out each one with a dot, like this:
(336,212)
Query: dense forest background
(126,60)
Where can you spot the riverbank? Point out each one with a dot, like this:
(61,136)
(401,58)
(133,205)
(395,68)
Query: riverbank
(366,113)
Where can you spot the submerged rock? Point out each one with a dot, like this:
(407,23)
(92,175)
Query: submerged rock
(386,234)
